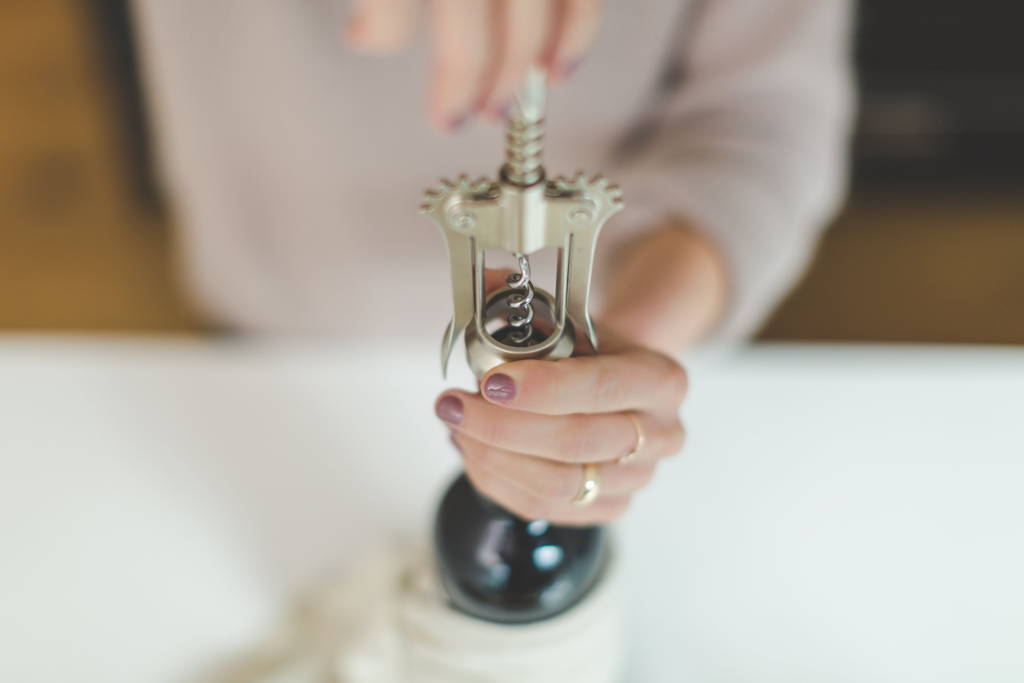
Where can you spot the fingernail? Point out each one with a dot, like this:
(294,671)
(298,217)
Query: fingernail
(449,409)
(501,112)
(457,122)
(567,69)
(499,387)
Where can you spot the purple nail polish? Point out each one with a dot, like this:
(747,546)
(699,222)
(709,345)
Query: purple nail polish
(568,69)
(457,122)
(499,387)
(449,409)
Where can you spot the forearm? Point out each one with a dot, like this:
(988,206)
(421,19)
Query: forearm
(668,289)
(750,147)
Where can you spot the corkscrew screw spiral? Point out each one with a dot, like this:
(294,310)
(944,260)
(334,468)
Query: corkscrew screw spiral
(520,318)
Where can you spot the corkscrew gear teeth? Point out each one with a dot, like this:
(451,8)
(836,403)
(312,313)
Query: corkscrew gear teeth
(522,212)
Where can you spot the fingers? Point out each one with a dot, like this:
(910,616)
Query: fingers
(578,26)
(525,32)
(482,49)
(550,479)
(527,503)
(462,36)
(381,26)
(567,438)
(631,380)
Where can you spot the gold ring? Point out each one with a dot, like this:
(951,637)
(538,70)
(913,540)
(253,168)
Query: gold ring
(640,438)
(591,485)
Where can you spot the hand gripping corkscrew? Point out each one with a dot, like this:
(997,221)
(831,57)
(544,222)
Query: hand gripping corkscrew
(522,212)
(492,564)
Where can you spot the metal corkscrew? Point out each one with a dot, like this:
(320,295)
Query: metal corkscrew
(486,555)
(521,212)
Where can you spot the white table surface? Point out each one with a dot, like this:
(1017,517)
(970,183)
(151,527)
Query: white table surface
(839,514)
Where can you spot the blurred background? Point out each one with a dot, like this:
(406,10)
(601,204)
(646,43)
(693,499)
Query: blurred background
(930,247)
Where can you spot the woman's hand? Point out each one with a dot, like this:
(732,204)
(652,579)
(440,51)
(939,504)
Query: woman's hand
(526,436)
(482,49)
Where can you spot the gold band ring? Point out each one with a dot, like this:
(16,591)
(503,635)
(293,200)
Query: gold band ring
(591,485)
(640,439)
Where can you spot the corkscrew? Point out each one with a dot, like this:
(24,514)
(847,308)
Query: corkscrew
(486,555)
(521,212)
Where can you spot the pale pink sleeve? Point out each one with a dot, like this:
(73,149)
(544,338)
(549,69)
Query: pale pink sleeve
(749,141)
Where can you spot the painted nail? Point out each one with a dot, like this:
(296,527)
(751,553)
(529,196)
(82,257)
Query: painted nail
(456,123)
(567,69)
(449,409)
(499,387)
(501,112)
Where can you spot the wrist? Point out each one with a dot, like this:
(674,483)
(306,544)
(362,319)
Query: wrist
(667,289)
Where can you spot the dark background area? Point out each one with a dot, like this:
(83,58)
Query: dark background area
(942,86)
(929,248)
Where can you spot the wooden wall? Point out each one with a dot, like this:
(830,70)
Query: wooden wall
(76,251)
